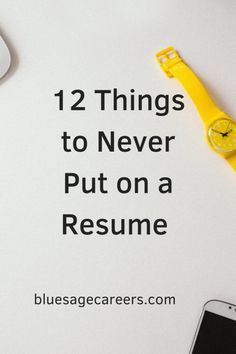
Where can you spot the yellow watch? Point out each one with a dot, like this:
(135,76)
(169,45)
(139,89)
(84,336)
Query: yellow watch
(220,127)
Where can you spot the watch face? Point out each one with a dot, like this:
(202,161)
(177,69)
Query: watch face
(222,135)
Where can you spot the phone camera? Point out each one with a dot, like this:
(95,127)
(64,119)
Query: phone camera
(230,307)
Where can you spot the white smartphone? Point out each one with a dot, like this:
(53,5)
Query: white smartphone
(216,331)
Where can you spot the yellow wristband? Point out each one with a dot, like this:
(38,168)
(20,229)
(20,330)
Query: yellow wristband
(232,161)
(173,65)
(221,129)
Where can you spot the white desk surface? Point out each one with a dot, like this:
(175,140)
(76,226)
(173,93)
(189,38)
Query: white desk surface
(105,44)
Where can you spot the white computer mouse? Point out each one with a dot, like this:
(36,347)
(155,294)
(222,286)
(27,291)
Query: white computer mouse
(5,58)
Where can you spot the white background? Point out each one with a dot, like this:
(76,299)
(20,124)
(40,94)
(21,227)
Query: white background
(105,44)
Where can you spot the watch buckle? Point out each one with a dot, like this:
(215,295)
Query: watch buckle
(167,58)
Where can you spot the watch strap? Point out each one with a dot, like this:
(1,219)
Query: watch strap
(173,65)
(232,161)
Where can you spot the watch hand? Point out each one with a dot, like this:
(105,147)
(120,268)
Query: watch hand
(217,131)
(227,127)
(227,133)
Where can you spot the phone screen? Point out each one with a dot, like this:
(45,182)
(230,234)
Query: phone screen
(217,334)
